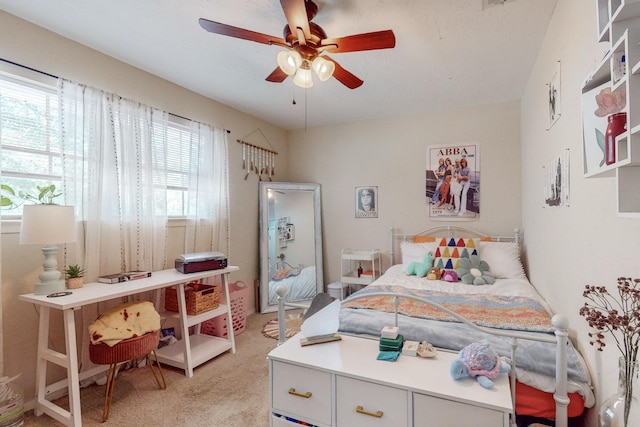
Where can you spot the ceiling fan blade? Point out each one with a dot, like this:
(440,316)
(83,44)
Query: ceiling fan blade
(344,76)
(296,14)
(239,33)
(366,41)
(277,76)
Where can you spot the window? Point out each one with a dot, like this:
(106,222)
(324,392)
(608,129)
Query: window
(30,144)
(29,136)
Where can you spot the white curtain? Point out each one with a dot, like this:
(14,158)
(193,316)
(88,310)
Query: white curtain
(208,195)
(115,160)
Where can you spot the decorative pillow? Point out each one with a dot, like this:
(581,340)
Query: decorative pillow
(451,249)
(415,252)
(504,259)
(474,271)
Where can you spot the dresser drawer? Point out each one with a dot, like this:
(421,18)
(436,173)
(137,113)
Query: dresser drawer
(431,411)
(303,392)
(361,403)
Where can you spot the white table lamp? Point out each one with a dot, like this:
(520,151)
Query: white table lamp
(48,225)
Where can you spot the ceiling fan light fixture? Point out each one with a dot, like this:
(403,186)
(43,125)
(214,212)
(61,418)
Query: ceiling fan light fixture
(289,61)
(303,78)
(323,68)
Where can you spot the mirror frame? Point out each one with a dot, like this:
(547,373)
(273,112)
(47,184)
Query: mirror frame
(264,187)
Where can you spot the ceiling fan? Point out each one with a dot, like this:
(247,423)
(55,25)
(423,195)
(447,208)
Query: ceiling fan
(306,44)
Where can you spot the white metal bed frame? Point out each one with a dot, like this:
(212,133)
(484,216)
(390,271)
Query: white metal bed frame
(560,322)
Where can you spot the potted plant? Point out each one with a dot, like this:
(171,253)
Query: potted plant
(74,275)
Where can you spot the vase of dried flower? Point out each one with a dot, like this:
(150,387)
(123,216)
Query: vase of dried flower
(623,408)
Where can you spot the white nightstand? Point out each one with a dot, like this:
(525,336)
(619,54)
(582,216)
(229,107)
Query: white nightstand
(370,262)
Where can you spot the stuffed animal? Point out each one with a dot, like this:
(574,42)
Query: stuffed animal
(434,274)
(481,361)
(449,276)
(474,271)
(420,269)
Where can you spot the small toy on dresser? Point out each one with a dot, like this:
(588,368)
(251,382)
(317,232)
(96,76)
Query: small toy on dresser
(481,361)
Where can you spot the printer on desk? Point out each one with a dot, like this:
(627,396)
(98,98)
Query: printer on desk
(201,261)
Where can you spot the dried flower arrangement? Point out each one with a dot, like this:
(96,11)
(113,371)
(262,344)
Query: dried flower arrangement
(620,317)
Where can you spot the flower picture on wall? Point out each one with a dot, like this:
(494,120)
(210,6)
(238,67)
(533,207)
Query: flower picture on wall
(366,202)
(452,184)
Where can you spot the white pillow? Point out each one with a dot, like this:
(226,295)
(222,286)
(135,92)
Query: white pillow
(503,259)
(415,251)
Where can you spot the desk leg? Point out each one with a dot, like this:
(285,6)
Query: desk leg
(231,334)
(186,340)
(41,366)
(72,367)
(69,361)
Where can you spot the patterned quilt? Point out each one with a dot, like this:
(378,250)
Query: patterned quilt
(493,311)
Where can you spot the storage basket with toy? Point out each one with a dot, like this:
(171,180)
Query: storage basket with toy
(198,298)
(239,296)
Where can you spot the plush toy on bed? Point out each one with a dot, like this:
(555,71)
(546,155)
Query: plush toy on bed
(481,361)
(449,276)
(474,271)
(434,273)
(420,269)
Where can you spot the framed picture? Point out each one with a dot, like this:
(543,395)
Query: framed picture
(554,97)
(556,181)
(366,202)
(452,182)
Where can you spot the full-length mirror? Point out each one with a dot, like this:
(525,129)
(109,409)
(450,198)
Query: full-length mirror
(290,242)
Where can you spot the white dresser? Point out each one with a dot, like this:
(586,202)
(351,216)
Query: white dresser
(342,384)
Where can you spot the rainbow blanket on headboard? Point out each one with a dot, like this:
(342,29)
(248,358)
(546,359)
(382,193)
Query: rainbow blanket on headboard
(493,311)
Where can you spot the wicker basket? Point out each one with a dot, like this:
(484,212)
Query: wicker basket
(199,298)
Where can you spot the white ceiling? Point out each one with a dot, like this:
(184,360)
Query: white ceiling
(448,54)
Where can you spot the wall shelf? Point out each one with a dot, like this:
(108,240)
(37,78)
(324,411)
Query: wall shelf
(618,22)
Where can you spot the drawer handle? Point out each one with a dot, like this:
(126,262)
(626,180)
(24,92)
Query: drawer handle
(360,410)
(295,393)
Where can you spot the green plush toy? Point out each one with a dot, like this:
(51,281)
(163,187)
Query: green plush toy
(474,271)
(420,269)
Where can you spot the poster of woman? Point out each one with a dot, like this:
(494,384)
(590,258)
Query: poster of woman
(452,184)
(366,202)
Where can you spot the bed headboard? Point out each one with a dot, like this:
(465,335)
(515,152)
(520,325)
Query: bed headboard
(443,231)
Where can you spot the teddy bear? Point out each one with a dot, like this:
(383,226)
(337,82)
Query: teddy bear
(420,269)
(434,274)
(481,361)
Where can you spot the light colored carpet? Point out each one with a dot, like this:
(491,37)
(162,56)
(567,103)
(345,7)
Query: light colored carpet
(229,390)
(293,322)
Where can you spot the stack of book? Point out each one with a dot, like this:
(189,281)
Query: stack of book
(124,277)
(391,344)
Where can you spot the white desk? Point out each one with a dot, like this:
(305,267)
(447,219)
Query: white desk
(179,355)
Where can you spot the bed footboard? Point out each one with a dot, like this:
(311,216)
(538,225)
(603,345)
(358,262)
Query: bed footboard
(560,324)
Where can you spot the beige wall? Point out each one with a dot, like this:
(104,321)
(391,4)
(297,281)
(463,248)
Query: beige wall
(565,248)
(34,47)
(392,154)
(585,243)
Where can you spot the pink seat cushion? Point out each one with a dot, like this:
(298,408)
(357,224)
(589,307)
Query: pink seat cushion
(131,348)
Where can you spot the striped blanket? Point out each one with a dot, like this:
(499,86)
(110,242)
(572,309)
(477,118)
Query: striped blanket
(493,311)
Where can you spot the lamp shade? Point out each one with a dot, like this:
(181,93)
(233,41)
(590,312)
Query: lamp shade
(323,68)
(289,61)
(303,78)
(47,225)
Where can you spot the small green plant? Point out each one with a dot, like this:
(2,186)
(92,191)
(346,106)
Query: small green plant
(9,199)
(45,196)
(74,271)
